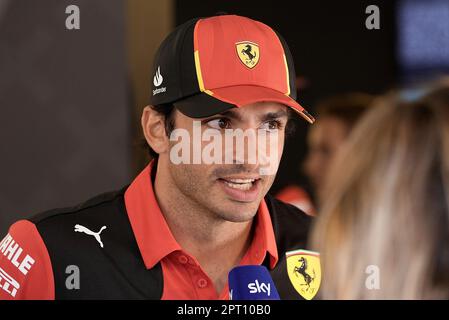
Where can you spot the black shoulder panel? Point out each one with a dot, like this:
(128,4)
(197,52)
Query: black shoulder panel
(291,228)
(114,271)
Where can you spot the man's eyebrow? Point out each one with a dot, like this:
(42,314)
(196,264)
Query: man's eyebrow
(233,114)
(274,115)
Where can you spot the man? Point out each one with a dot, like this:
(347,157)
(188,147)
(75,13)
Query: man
(337,115)
(185,221)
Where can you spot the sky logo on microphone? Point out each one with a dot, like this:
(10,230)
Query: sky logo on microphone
(256,287)
(251,283)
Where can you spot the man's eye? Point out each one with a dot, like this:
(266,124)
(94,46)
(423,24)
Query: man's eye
(221,123)
(271,125)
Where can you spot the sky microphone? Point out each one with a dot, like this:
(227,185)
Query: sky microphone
(251,283)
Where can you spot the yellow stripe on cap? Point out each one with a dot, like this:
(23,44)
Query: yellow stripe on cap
(288,76)
(199,75)
(198,71)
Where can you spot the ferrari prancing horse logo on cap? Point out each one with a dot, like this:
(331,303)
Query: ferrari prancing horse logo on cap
(248,53)
(304,272)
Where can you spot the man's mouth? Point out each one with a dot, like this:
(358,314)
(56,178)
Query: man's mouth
(242,189)
(240,184)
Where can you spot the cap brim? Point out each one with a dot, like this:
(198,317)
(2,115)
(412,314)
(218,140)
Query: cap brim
(222,99)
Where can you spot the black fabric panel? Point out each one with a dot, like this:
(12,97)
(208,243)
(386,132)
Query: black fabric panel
(175,58)
(116,271)
(291,67)
(187,70)
(291,229)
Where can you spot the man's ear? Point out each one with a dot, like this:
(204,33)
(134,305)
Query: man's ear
(153,126)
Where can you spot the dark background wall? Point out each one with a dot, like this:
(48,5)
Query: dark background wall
(333,52)
(65,111)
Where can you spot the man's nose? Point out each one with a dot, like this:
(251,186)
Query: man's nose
(244,147)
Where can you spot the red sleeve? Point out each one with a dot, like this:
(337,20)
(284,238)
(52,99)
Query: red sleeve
(25,267)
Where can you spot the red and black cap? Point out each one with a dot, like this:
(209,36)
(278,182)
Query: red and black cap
(209,65)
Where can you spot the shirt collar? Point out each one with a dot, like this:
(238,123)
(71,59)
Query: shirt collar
(264,234)
(153,236)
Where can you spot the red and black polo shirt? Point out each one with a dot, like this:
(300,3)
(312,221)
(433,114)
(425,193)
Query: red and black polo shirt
(119,246)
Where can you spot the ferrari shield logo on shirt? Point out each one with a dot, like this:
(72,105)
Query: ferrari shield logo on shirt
(248,52)
(304,272)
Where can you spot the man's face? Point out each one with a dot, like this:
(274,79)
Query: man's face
(231,192)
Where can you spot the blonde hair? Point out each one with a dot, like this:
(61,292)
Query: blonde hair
(386,204)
